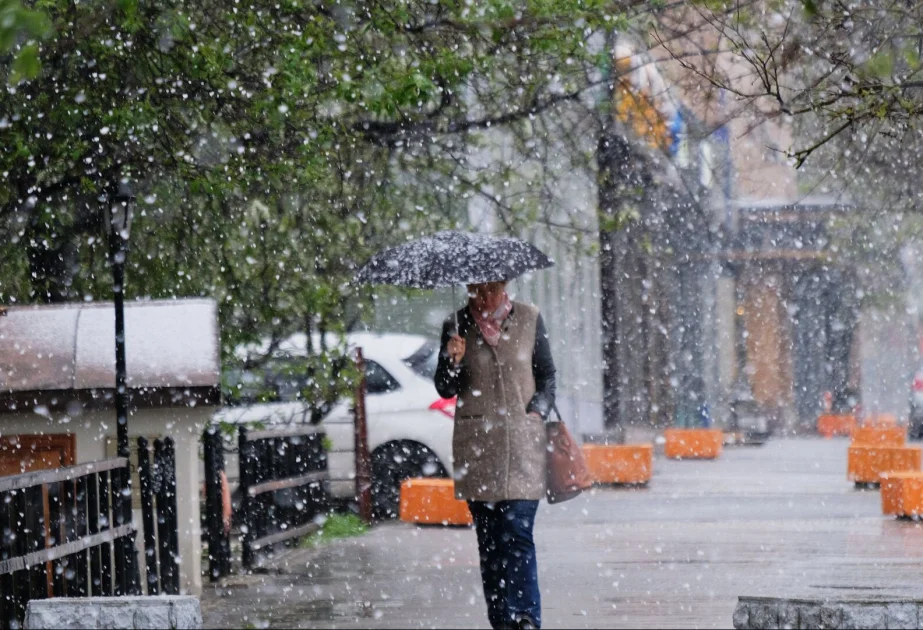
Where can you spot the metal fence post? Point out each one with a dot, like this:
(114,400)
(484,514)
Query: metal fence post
(118,516)
(217,543)
(106,522)
(163,522)
(147,518)
(172,511)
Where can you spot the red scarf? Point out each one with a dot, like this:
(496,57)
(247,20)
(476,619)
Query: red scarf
(489,323)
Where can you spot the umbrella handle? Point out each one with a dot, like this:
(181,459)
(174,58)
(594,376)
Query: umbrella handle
(454,310)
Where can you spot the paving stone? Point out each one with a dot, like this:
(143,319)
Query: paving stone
(861,616)
(764,616)
(788,615)
(152,617)
(767,613)
(115,618)
(44,615)
(831,616)
(186,614)
(809,617)
(742,615)
(902,616)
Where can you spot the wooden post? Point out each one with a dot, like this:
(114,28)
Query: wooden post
(363,458)
(246,501)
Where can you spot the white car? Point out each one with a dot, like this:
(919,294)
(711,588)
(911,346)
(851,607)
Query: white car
(409,425)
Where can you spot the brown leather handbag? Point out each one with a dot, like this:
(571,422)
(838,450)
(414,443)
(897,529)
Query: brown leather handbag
(568,474)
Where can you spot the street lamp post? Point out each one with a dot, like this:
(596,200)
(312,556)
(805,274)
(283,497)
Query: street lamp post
(119,229)
(119,220)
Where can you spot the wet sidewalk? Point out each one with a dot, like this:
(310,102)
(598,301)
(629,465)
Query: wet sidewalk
(779,520)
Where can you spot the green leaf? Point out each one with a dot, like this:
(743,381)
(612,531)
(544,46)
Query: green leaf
(811,7)
(881,64)
(16,21)
(26,64)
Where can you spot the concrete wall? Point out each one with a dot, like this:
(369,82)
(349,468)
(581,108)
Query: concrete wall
(165,611)
(184,425)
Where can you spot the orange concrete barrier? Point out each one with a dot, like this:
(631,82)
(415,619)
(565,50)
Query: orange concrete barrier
(879,436)
(693,443)
(620,463)
(831,425)
(880,420)
(432,501)
(902,494)
(867,464)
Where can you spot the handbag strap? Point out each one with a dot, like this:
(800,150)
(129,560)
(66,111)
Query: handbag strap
(554,407)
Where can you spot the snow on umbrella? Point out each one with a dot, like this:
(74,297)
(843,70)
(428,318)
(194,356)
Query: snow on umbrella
(451,258)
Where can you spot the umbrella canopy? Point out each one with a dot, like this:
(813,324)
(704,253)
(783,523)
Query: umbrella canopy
(449,258)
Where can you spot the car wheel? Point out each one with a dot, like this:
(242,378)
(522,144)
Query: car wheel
(394,462)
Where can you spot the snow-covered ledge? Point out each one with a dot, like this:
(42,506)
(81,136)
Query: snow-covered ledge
(167,611)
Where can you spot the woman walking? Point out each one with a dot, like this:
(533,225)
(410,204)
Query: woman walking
(496,358)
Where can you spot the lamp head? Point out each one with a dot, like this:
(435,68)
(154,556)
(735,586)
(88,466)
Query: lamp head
(120,209)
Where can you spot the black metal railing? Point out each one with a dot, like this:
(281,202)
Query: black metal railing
(65,534)
(158,514)
(217,531)
(284,486)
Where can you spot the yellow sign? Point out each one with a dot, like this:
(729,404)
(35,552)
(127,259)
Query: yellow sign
(642,100)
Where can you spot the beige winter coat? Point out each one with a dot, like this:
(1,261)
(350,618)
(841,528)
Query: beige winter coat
(499,450)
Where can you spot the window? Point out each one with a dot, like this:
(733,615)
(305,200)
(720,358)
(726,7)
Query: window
(424,360)
(242,387)
(280,380)
(286,379)
(377,379)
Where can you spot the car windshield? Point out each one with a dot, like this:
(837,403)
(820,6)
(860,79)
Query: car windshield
(424,360)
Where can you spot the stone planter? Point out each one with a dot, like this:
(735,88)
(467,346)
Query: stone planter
(879,436)
(866,464)
(620,463)
(832,425)
(902,494)
(432,502)
(693,443)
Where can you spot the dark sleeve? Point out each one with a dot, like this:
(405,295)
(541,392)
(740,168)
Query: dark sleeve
(447,375)
(544,373)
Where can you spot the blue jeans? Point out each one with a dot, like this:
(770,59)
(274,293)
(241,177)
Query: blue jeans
(508,567)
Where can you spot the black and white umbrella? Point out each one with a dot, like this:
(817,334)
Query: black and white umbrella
(451,258)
